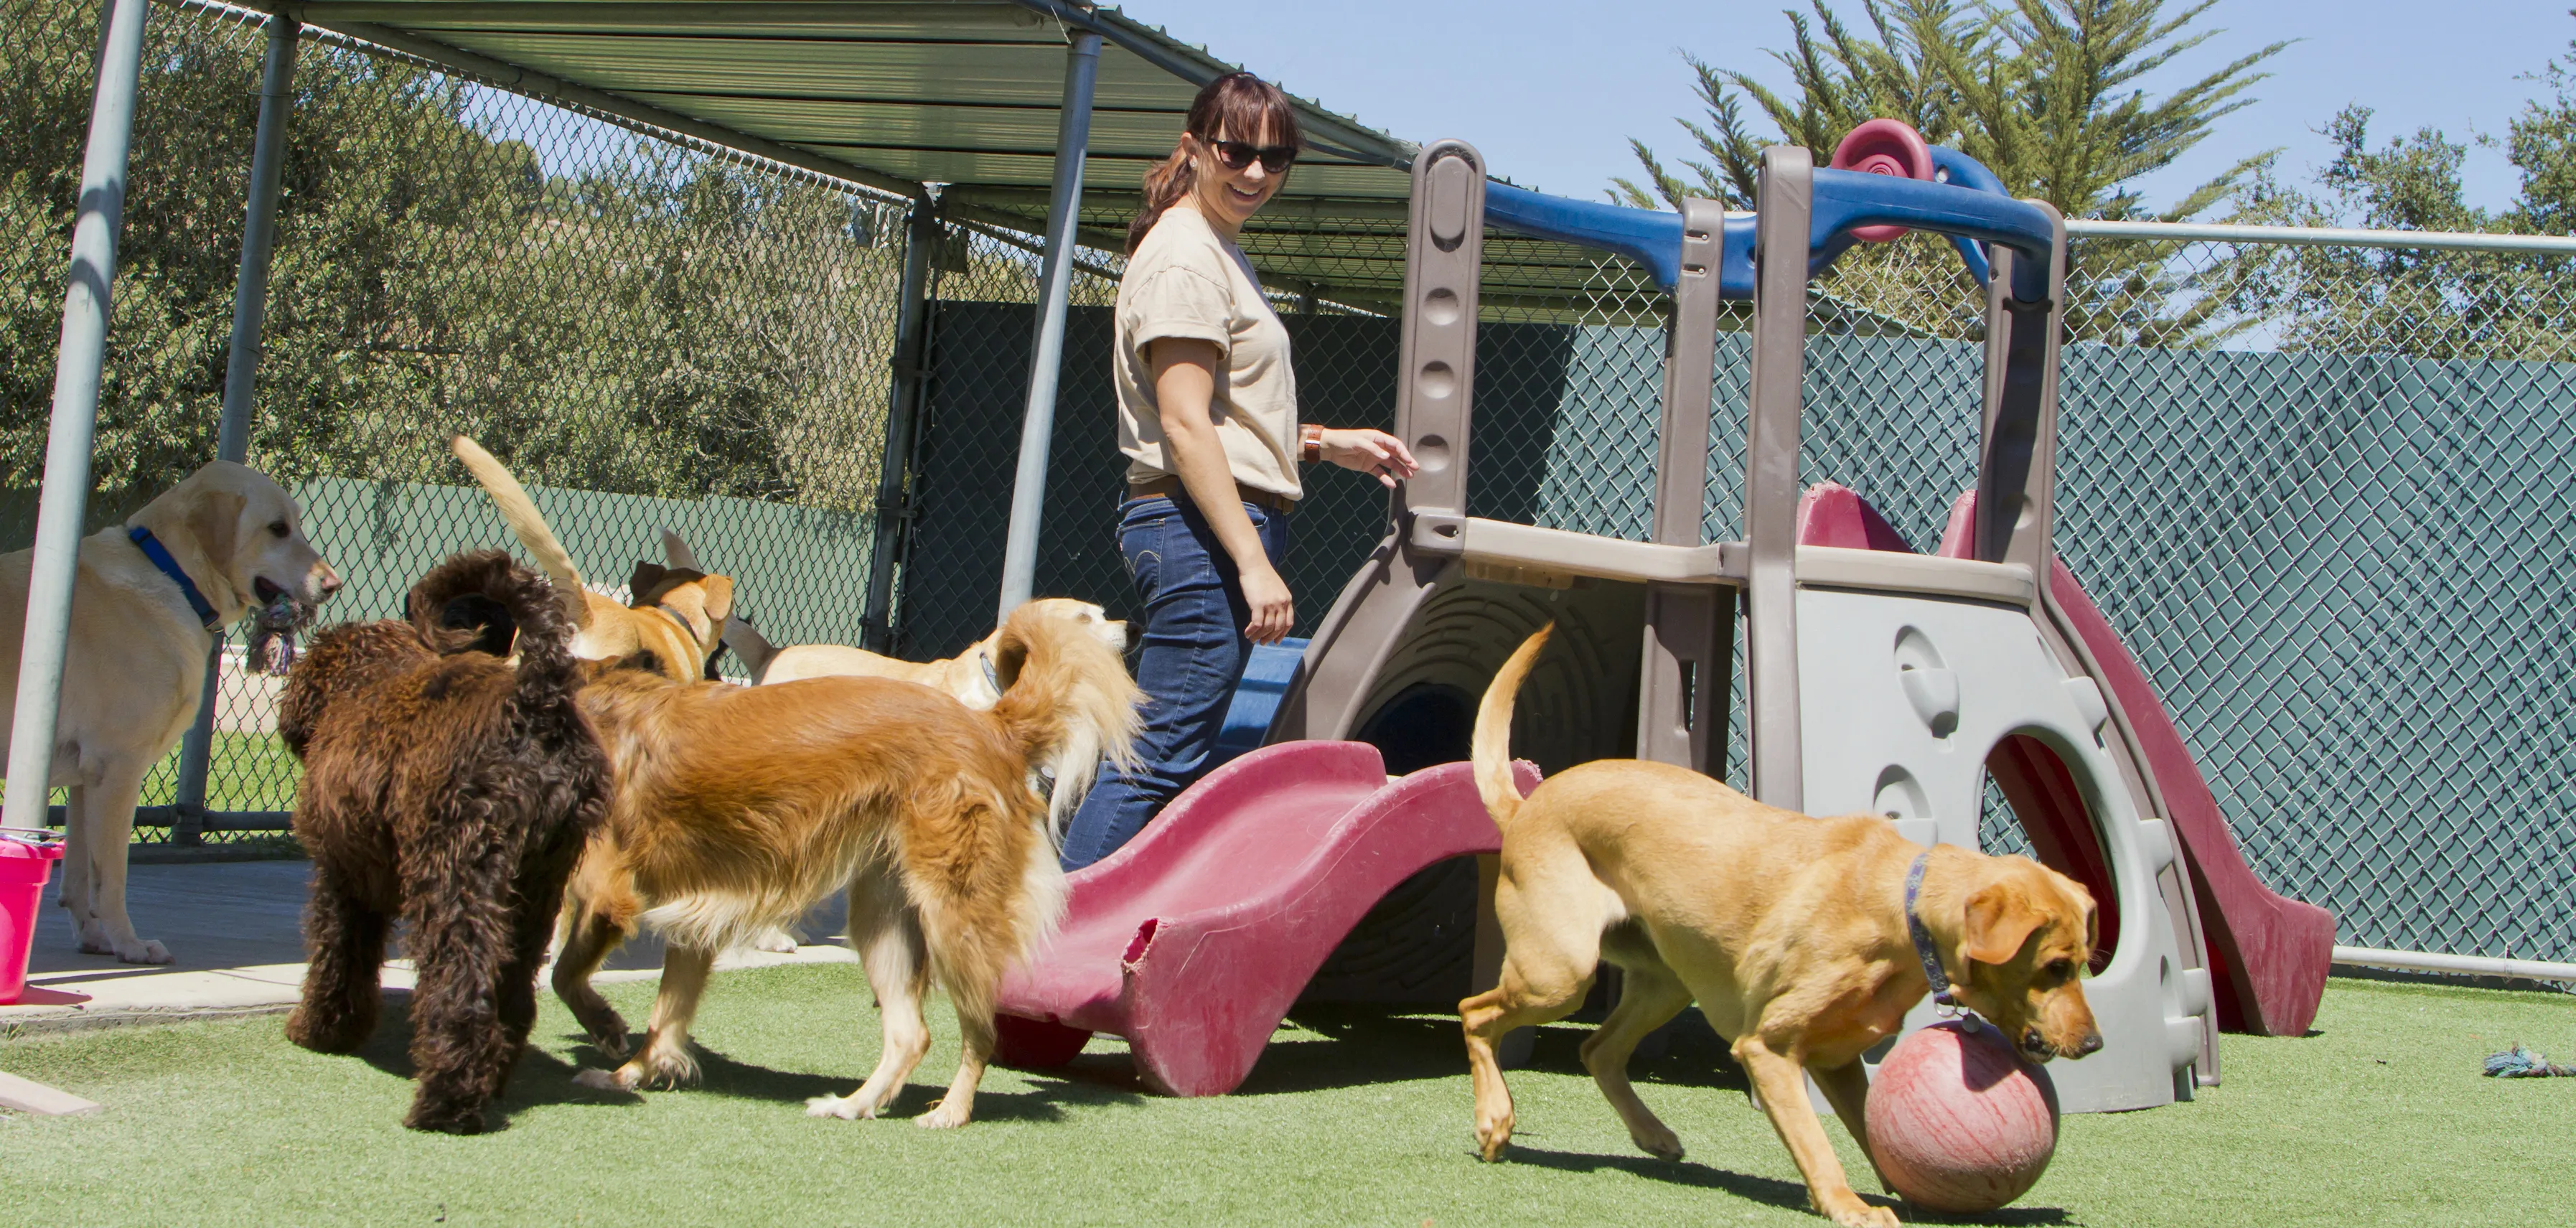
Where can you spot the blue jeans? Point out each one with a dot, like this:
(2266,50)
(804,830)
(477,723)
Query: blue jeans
(1193,655)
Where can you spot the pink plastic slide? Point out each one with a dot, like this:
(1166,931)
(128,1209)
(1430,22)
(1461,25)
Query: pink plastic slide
(1195,939)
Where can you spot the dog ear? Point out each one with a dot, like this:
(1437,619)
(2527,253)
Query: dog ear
(2000,919)
(639,586)
(1010,655)
(677,553)
(216,523)
(719,597)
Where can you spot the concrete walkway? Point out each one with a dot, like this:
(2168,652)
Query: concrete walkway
(234,930)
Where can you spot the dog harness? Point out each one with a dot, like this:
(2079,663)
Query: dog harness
(675,616)
(1944,995)
(160,555)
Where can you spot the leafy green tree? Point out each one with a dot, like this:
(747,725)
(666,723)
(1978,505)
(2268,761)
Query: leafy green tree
(639,319)
(2435,303)
(2044,92)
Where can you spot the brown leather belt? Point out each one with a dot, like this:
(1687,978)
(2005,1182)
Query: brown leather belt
(1170,488)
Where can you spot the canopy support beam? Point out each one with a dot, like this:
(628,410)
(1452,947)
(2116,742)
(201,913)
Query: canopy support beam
(1046,361)
(79,363)
(241,379)
(903,418)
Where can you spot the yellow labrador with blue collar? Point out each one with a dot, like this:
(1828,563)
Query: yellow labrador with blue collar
(147,601)
(1804,940)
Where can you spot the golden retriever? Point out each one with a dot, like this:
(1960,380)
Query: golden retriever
(678,616)
(739,808)
(1792,933)
(135,668)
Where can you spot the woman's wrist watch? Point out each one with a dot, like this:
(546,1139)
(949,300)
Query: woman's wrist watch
(1310,443)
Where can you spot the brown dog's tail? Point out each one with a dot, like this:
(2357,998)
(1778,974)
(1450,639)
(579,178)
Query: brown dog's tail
(482,600)
(1069,706)
(1492,749)
(520,512)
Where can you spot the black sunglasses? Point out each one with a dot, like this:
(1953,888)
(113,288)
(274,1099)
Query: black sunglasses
(1239,154)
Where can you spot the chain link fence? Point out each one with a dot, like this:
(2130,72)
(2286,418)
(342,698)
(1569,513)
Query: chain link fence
(2318,490)
(2321,491)
(651,332)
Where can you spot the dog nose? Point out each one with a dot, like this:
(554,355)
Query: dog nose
(2092,1044)
(330,581)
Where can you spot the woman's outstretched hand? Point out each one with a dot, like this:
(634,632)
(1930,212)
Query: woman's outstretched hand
(1274,614)
(1375,453)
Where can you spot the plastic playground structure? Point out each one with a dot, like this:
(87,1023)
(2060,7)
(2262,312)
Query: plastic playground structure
(1878,679)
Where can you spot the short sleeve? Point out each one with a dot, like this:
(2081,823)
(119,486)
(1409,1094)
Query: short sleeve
(1178,301)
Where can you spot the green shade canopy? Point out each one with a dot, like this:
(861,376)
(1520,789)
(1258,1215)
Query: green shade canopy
(897,94)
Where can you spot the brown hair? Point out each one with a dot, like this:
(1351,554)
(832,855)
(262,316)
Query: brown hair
(1237,102)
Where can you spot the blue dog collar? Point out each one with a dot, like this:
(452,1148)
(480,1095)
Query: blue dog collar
(1944,994)
(160,555)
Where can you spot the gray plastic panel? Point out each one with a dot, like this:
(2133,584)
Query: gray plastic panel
(1906,696)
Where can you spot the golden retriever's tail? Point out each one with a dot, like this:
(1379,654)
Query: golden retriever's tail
(526,524)
(1492,751)
(1070,705)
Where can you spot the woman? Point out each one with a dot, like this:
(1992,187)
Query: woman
(1207,416)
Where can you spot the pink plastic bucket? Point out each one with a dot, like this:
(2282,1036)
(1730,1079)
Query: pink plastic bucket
(23,869)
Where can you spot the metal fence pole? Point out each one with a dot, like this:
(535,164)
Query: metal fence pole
(78,365)
(903,411)
(241,372)
(1037,430)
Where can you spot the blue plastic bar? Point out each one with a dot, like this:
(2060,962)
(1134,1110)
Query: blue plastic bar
(1970,208)
(1649,237)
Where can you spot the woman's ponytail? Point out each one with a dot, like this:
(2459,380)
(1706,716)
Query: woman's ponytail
(1166,183)
(1238,102)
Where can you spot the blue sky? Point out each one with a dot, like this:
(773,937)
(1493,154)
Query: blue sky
(1551,92)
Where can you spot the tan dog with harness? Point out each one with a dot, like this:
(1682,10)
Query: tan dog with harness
(678,615)
(1804,940)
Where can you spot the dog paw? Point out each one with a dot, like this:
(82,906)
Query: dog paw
(601,1081)
(616,1046)
(848,1108)
(1663,1145)
(143,951)
(944,1116)
(323,1035)
(445,1119)
(650,1070)
(1862,1215)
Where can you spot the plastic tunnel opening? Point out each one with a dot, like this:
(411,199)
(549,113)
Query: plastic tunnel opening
(2034,808)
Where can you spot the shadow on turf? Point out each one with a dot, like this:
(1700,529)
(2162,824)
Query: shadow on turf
(1359,1045)
(1788,1195)
(540,1077)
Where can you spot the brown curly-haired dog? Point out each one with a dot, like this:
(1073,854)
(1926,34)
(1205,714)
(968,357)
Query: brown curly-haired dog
(447,788)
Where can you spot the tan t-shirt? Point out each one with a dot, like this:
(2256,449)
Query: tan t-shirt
(1185,281)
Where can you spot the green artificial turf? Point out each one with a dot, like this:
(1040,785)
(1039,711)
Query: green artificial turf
(2380,1116)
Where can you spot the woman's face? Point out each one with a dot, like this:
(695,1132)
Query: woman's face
(1227,194)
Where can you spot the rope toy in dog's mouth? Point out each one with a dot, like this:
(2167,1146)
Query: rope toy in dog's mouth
(273,628)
